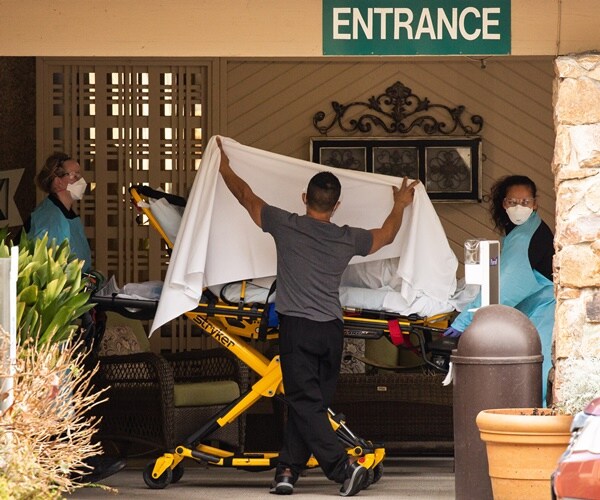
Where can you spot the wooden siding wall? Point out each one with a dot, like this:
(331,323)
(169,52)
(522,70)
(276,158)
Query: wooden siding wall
(269,104)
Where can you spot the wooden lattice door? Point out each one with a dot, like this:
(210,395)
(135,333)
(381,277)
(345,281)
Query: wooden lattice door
(127,122)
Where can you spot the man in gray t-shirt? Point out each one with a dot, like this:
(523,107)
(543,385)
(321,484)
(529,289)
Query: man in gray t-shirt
(311,257)
(312,254)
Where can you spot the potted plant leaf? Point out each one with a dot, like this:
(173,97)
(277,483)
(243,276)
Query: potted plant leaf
(51,293)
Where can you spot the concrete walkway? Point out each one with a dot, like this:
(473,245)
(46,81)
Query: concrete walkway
(412,478)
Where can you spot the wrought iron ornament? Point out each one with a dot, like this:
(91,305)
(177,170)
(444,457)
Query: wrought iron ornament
(399,111)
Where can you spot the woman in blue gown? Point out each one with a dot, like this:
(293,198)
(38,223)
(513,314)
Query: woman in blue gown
(525,262)
(61,177)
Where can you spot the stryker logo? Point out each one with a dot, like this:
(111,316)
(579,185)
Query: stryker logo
(213,331)
(220,337)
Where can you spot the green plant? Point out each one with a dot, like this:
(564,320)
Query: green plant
(580,384)
(51,293)
(46,433)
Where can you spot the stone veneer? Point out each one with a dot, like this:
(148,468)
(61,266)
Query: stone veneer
(576,167)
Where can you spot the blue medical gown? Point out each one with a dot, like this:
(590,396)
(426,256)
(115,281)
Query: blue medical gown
(60,224)
(523,288)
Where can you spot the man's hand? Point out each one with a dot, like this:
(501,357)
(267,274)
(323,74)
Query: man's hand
(404,195)
(239,188)
(224,158)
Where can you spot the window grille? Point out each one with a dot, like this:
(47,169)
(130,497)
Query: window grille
(127,122)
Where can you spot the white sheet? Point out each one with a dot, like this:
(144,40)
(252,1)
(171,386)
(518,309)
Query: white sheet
(218,242)
(376,299)
(389,300)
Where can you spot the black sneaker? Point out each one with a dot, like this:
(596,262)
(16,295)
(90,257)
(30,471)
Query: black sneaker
(356,476)
(283,484)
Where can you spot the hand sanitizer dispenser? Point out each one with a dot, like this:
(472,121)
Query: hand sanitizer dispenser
(482,267)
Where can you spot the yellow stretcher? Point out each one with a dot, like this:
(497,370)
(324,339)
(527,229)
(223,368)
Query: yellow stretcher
(235,326)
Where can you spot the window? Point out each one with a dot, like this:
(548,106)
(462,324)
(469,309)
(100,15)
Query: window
(450,168)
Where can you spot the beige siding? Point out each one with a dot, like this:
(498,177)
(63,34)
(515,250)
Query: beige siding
(269,104)
(267,28)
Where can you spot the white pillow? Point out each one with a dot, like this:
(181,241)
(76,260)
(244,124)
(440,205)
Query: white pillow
(167,215)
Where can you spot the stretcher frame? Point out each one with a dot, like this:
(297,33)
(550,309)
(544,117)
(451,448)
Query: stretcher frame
(233,326)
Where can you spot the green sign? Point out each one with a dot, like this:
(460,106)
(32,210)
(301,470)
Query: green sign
(416,27)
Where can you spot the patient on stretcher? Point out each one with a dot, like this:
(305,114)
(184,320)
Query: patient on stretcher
(364,286)
(373,285)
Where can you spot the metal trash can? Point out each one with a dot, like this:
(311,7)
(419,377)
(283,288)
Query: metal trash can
(497,364)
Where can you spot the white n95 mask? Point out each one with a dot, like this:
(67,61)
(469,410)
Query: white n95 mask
(77,189)
(519,214)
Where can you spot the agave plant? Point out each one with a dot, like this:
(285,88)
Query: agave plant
(51,293)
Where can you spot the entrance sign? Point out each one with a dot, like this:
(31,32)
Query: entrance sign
(416,27)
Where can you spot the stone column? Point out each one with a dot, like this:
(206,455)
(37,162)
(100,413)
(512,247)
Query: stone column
(576,166)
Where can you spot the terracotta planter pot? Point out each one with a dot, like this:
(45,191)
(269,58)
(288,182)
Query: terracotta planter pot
(523,448)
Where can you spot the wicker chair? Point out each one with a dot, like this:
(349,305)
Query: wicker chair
(410,411)
(157,401)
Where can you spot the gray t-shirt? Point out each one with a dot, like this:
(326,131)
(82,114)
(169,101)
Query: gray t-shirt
(311,257)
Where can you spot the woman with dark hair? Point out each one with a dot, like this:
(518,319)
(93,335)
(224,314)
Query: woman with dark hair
(525,261)
(505,193)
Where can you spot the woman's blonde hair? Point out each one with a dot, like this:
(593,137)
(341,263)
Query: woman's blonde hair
(53,167)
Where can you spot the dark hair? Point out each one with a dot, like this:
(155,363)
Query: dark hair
(323,192)
(498,193)
(53,167)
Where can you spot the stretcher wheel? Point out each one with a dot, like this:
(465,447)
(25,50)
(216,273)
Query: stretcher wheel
(177,473)
(160,482)
(368,481)
(377,472)
(373,475)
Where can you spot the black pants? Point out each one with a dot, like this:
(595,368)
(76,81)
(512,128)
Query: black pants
(311,354)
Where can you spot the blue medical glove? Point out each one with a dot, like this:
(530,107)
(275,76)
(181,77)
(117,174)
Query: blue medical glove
(452,332)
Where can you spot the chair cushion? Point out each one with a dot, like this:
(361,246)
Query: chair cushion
(123,336)
(206,393)
(118,340)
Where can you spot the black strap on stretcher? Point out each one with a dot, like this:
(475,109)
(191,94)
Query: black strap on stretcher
(376,364)
(130,308)
(157,195)
(263,328)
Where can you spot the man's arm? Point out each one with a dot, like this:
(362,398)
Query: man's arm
(387,232)
(240,189)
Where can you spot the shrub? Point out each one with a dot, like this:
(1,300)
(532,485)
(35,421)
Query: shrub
(46,433)
(580,384)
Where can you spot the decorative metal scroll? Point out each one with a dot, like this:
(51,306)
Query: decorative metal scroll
(399,111)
